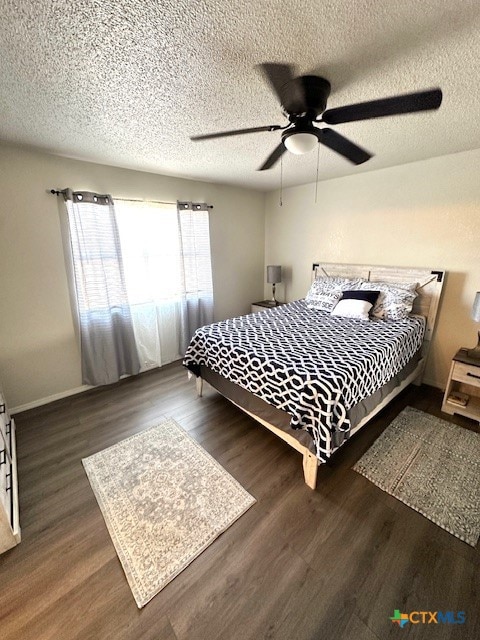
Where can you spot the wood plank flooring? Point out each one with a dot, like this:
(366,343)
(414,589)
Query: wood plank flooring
(299,565)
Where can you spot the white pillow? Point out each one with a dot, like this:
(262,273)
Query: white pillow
(350,308)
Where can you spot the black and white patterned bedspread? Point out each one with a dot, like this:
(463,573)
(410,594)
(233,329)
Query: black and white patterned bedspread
(306,362)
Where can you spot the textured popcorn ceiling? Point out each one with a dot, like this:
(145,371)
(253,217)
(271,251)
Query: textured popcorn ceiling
(126,82)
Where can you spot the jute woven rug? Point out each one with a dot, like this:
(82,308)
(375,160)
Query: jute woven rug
(164,500)
(431,465)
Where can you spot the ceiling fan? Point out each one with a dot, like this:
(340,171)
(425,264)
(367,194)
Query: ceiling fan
(304,100)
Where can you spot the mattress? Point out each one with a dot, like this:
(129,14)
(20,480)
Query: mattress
(308,364)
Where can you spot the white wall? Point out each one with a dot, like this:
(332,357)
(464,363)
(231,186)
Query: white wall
(421,214)
(38,353)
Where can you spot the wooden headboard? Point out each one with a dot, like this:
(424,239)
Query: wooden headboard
(429,289)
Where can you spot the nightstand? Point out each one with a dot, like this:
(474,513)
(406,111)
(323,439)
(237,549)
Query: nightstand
(263,305)
(464,386)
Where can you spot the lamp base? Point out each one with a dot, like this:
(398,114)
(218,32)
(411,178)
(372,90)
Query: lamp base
(475,352)
(274,301)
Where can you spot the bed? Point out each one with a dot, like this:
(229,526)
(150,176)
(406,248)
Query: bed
(315,378)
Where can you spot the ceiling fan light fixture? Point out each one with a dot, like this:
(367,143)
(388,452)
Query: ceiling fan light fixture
(300,143)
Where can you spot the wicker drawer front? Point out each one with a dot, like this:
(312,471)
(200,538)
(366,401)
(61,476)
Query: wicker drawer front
(5,482)
(4,418)
(9,508)
(3,430)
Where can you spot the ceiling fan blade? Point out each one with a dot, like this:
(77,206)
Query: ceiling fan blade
(293,93)
(278,76)
(408,103)
(235,132)
(273,157)
(344,147)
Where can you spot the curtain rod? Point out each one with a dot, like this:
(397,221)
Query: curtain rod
(209,206)
(57,192)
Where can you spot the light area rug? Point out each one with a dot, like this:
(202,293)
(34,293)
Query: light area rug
(431,465)
(164,500)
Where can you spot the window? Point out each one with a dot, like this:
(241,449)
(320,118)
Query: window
(141,281)
(167,265)
(151,251)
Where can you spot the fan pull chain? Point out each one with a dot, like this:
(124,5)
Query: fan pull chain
(318,162)
(281,181)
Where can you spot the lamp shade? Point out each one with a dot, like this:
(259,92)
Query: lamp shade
(274,273)
(476,307)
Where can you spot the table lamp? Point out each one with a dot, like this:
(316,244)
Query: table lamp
(475,353)
(274,276)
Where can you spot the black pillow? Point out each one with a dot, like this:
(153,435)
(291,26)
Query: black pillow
(368,296)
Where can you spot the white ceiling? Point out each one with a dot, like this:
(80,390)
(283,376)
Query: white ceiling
(126,82)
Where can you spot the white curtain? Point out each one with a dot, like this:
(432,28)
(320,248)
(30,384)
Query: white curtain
(105,326)
(166,257)
(194,233)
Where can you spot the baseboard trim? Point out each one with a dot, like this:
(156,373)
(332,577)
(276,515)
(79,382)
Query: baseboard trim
(56,396)
(70,392)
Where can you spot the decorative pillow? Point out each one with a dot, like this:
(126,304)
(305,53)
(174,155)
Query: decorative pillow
(395,301)
(325,292)
(352,308)
(356,304)
(358,294)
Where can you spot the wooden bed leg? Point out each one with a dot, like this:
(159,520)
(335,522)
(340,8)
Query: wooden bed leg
(310,468)
(199,383)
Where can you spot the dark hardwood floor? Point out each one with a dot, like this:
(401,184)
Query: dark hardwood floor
(299,565)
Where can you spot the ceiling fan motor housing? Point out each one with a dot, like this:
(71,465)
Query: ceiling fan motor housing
(306,95)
